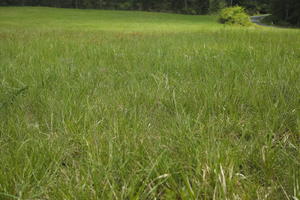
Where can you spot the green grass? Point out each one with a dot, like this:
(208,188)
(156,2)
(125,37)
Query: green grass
(88,20)
(133,105)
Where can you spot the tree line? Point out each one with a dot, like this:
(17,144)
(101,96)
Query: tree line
(282,10)
(178,6)
(286,11)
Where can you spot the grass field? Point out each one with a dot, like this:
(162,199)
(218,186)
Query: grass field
(135,105)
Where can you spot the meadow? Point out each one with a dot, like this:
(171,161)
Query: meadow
(101,104)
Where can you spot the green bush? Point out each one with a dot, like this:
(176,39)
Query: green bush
(234,15)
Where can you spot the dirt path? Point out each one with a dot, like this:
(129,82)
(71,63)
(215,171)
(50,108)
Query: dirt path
(257,20)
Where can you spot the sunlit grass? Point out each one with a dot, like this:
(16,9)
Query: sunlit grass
(128,21)
(133,105)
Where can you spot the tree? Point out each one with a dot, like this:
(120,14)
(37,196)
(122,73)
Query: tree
(216,5)
(288,11)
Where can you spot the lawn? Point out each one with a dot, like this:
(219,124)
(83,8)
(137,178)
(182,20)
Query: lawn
(139,105)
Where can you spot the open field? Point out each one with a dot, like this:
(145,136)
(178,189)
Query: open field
(135,105)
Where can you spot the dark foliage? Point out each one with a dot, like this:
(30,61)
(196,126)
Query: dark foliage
(178,6)
(287,11)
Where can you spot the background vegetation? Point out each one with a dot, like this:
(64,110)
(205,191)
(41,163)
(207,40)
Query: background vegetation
(234,15)
(287,11)
(133,105)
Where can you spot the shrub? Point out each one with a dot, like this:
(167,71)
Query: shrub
(234,15)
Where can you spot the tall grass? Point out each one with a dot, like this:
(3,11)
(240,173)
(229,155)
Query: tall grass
(104,105)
